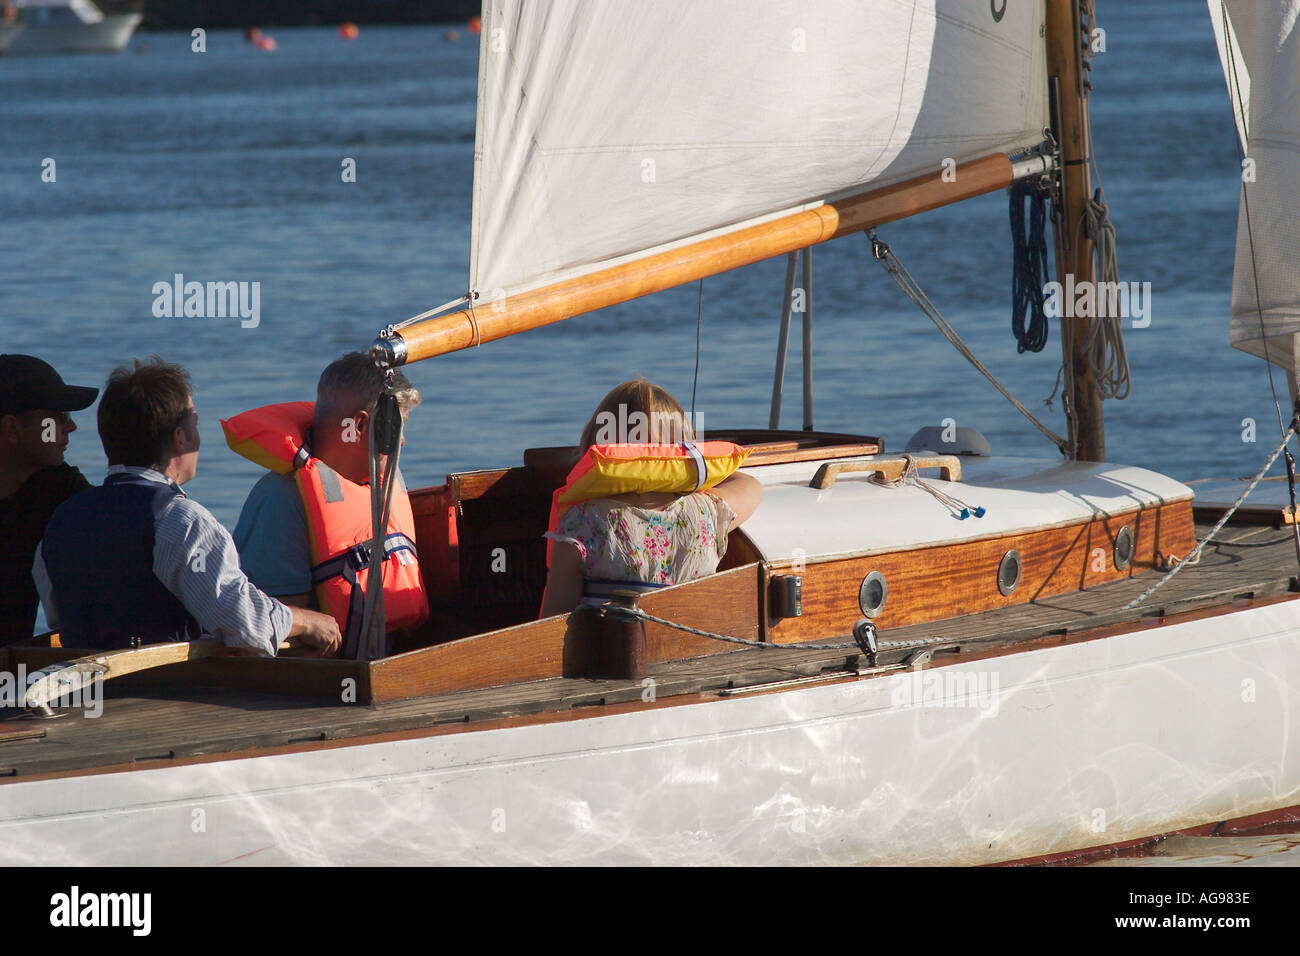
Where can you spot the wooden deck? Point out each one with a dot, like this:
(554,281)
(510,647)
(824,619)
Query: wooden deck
(154,729)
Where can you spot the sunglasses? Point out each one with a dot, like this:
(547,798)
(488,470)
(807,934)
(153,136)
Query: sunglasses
(39,416)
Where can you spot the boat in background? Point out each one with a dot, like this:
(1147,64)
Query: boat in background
(889,667)
(63,26)
(9,25)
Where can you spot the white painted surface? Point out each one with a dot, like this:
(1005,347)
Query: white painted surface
(856,516)
(69,34)
(1082,745)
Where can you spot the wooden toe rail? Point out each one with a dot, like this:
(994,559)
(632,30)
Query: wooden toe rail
(55,681)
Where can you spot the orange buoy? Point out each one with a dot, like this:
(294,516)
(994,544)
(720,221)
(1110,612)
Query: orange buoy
(475,25)
(264,42)
(252,34)
(348,31)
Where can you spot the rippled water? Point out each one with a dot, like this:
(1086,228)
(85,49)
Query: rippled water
(225,166)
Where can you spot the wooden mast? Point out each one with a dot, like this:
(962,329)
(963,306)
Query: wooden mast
(1065,44)
(697,260)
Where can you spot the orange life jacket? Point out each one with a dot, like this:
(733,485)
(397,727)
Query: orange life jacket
(338,522)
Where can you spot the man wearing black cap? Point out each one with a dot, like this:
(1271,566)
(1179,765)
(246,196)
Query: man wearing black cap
(34,479)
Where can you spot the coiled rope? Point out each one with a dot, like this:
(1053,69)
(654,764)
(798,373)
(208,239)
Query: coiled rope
(1029,274)
(1104,347)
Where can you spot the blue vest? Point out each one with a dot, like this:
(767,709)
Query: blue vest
(98,553)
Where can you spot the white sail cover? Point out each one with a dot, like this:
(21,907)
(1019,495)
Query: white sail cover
(610,130)
(1259,46)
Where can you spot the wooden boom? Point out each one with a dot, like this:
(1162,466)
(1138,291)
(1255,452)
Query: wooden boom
(698,260)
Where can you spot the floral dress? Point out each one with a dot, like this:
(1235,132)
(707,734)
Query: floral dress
(620,542)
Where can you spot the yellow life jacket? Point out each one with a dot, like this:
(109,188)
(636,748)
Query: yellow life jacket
(675,468)
(338,522)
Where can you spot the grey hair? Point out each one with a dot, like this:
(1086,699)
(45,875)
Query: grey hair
(353,383)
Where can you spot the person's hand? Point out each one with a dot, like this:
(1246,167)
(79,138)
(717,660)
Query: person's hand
(318,632)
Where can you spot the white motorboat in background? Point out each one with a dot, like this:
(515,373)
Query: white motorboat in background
(63,26)
(10,26)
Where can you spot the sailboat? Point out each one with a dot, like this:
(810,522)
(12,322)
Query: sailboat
(933,656)
(64,26)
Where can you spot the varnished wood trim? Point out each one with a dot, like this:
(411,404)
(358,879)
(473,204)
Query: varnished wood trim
(286,676)
(437,540)
(108,665)
(726,603)
(531,651)
(740,551)
(891,469)
(928,584)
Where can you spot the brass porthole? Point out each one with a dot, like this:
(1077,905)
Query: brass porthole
(1009,573)
(872,594)
(1125,545)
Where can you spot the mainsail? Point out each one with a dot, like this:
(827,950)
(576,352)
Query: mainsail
(609,132)
(1259,46)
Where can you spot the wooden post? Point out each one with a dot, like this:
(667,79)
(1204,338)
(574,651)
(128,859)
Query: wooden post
(1073,249)
(600,645)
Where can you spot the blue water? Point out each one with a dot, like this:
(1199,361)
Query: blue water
(226,166)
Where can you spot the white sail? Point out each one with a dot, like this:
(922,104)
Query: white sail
(609,131)
(1259,46)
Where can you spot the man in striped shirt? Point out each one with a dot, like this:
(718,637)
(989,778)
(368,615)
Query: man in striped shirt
(135,561)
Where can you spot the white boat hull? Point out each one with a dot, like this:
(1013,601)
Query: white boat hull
(8,34)
(109,35)
(1067,747)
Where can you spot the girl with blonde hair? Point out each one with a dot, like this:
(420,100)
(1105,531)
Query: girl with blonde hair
(642,540)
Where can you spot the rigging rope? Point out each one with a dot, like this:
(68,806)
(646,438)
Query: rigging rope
(699,322)
(383,479)
(1195,556)
(1104,347)
(898,272)
(467,297)
(1029,275)
(616,611)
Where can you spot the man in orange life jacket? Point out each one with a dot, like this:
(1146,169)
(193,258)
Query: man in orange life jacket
(304,531)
